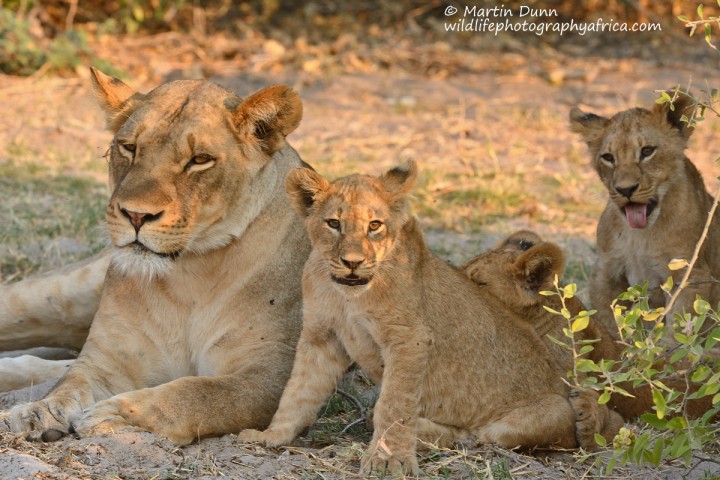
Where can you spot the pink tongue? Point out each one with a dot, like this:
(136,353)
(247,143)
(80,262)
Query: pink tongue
(636,214)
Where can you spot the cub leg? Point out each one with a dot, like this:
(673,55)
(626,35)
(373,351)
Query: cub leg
(396,413)
(546,420)
(437,434)
(592,418)
(54,309)
(605,286)
(320,362)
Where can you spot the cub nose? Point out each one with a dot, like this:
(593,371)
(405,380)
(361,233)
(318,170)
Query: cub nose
(352,264)
(138,219)
(627,191)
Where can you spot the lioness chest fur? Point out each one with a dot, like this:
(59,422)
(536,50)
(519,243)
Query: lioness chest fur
(451,361)
(657,206)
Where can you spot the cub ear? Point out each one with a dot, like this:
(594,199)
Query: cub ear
(304,187)
(268,116)
(400,180)
(591,127)
(537,267)
(683,104)
(520,240)
(116,99)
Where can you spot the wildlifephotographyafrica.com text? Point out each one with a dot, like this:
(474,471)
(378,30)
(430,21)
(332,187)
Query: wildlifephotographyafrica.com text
(500,19)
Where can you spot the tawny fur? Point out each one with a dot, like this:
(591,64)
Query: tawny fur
(516,271)
(451,360)
(665,179)
(201,341)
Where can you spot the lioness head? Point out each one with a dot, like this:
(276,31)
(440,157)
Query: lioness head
(353,222)
(517,269)
(636,152)
(189,166)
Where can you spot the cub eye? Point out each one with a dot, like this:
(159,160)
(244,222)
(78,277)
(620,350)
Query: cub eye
(375,225)
(647,151)
(608,157)
(333,223)
(199,160)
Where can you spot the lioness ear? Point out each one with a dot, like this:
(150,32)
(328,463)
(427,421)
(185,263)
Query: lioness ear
(400,180)
(304,186)
(537,267)
(682,105)
(268,116)
(591,127)
(116,99)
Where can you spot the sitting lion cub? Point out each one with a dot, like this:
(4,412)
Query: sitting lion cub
(452,360)
(657,208)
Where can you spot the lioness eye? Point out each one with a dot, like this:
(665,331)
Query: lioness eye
(647,151)
(375,225)
(608,157)
(129,147)
(333,223)
(201,159)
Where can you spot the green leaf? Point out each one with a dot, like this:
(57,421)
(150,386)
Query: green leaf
(600,440)
(700,11)
(557,342)
(655,422)
(708,32)
(551,310)
(700,374)
(659,402)
(716,399)
(677,423)
(547,293)
(565,313)
(683,18)
(585,349)
(580,324)
(570,290)
(700,306)
(677,264)
(604,398)
(668,285)
(681,338)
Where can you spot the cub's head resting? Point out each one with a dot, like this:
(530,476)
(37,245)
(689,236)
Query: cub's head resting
(518,269)
(637,153)
(189,166)
(353,222)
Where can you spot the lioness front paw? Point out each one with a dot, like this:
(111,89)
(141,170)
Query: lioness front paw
(269,437)
(382,460)
(47,420)
(587,421)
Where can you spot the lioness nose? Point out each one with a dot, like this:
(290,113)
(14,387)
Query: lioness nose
(138,219)
(627,191)
(352,264)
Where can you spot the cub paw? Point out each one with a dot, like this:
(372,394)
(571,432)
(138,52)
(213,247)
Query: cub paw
(269,437)
(382,461)
(589,416)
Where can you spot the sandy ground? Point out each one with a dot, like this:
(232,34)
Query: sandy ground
(497,118)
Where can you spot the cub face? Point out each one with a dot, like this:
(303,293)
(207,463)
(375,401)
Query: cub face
(186,161)
(636,153)
(354,222)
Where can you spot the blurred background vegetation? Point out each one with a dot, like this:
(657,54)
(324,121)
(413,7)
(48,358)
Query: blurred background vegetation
(54,35)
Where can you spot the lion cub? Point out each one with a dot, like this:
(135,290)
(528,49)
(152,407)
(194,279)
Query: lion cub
(657,206)
(452,361)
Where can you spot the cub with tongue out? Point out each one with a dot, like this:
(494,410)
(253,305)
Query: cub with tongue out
(657,206)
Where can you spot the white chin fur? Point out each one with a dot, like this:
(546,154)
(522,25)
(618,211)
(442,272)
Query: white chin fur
(145,266)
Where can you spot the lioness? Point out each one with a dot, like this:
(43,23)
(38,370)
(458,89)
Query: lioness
(200,309)
(657,206)
(452,360)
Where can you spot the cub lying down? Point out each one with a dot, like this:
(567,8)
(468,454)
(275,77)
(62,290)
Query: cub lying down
(452,361)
